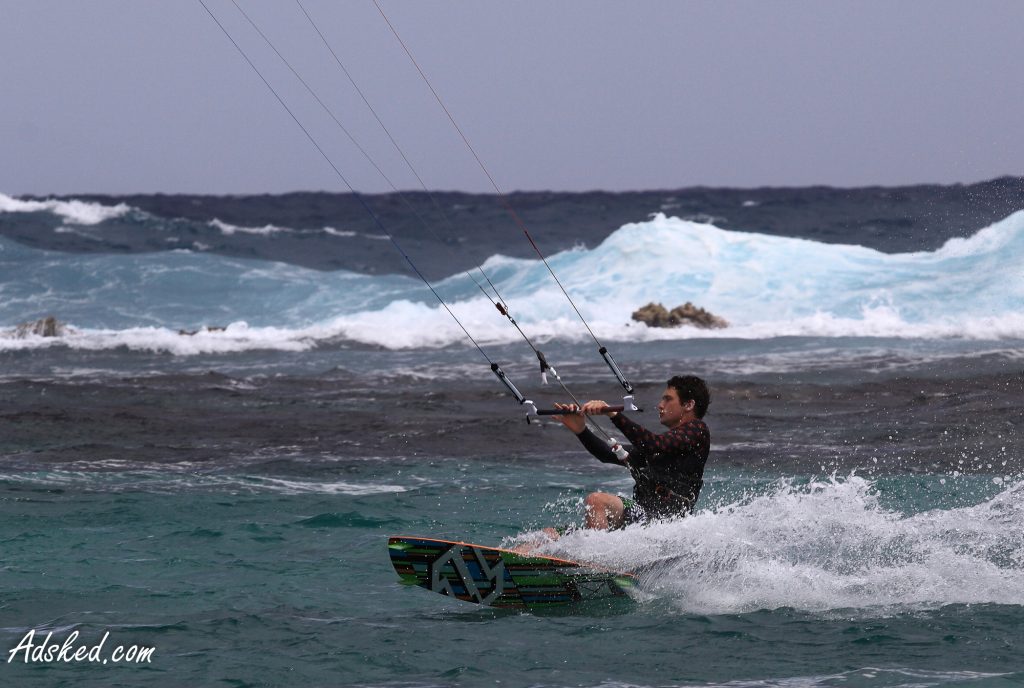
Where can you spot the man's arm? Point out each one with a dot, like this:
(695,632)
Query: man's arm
(598,447)
(677,440)
(576,421)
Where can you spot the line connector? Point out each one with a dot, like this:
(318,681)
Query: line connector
(500,374)
(615,369)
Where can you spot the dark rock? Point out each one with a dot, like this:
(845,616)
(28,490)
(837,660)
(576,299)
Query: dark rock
(44,327)
(204,328)
(656,315)
(688,314)
(652,315)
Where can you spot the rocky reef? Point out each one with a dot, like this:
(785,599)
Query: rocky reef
(656,315)
(44,327)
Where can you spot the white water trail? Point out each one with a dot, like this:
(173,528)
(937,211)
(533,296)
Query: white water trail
(826,545)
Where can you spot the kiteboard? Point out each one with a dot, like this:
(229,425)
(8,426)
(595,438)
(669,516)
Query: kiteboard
(500,577)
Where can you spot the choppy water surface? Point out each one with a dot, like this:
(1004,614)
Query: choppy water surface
(277,574)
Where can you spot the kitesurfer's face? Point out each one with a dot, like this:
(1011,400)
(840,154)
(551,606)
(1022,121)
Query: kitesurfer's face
(671,411)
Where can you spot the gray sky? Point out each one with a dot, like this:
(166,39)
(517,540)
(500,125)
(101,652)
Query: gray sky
(127,96)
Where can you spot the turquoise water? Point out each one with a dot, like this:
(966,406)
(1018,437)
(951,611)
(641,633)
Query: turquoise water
(280,576)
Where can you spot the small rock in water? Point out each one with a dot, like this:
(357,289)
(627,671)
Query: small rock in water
(44,327)
(656,315)
(204,328)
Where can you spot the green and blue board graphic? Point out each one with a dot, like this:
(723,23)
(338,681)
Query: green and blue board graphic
(500,577)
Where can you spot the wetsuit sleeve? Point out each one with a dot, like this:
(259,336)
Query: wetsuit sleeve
(599,448)
(680,440)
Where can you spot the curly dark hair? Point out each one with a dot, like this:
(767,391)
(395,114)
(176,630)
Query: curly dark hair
(692,387)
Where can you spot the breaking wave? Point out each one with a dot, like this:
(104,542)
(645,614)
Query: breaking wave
(765,286)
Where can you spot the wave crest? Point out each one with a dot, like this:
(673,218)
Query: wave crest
(71,212)
(766,286)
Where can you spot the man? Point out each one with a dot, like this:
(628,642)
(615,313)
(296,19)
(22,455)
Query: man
(668,468)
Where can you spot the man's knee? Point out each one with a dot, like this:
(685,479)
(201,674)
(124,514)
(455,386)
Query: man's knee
(599,500)
(603,510)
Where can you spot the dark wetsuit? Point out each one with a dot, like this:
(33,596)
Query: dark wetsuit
(668,468)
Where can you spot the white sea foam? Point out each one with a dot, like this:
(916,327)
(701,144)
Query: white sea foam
(271,229)
(127,475)
(236,337)
(285,486)
(65,229)
(378,328)
(822,546)
(426,326)
(882,677)
(229,229)
(72,212)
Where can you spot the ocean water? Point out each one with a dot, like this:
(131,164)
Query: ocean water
(223,497)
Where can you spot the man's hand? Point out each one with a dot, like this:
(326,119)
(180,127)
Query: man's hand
(596,407)
(573,419)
